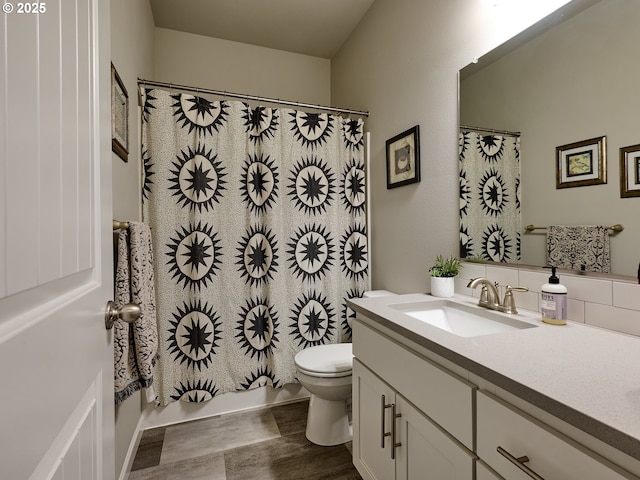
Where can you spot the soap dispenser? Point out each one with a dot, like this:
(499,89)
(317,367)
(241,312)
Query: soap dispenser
(553,303)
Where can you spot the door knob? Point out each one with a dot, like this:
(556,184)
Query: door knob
(127,313)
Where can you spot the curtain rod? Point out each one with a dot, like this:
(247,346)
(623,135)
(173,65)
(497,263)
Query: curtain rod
(222,93)
(490,130)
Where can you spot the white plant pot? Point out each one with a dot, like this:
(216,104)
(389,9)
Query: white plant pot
(442,286)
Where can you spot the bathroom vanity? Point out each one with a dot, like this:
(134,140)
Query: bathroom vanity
(435,397)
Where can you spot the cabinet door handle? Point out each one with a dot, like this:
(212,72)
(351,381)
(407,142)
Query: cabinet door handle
(383,409)
(395,416)
(520,463)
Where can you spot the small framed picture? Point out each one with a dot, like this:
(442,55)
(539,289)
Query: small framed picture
(403,158)
(119,116)
(582,163)
(630,171)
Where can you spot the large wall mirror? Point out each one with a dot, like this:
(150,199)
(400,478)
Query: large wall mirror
(574,77)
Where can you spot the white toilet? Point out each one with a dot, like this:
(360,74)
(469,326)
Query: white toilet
(325,370)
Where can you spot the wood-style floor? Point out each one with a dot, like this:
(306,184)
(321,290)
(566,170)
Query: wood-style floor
(265,444)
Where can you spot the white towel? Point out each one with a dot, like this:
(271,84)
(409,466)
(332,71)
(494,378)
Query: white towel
(135,344)
(580,247)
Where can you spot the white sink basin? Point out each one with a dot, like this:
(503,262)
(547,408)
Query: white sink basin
(461,320)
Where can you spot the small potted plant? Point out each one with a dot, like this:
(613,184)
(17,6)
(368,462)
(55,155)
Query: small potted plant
(442,274)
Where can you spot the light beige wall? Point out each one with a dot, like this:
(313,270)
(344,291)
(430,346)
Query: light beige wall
(401,64)
(132,54)
(198,61)
(577,81)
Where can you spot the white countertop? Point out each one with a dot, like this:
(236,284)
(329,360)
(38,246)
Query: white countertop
(586,376)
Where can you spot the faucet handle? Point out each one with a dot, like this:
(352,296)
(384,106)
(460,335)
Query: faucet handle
(509,302)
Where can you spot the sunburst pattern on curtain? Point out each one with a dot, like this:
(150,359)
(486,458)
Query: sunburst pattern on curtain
(489,196)
(258,221)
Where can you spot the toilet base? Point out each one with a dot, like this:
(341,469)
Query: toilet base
(328,422)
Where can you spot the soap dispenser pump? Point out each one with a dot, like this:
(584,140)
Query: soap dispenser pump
(553,303)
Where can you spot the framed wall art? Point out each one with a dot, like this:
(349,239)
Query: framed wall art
(581,163)
(630,171)
(403,158)
(119,116)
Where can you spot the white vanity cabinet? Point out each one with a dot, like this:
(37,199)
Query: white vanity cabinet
(447,428)
(395,410)
(506,434)
(394,440)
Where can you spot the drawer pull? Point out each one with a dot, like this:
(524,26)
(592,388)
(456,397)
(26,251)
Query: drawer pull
(384,434)
(394,444)
(520,463)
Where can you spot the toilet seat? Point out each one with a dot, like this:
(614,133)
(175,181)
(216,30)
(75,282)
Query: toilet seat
(335,360)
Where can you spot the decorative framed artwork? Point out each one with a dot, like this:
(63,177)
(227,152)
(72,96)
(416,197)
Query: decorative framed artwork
(119,116)
(630,171)
(582,163)
(403,158)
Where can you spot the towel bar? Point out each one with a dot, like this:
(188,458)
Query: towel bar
(616,228)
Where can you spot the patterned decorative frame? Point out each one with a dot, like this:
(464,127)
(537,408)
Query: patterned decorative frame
(581,163)
(630,171)
(403,158)
(119,116)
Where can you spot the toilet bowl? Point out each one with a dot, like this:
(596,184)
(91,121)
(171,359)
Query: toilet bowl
(325,371)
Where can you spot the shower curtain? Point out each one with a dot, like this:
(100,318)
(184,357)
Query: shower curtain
(259,233)
(489,196)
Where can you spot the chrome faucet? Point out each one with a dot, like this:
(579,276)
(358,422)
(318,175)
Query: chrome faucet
(490,298)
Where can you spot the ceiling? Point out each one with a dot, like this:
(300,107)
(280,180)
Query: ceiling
(310,27)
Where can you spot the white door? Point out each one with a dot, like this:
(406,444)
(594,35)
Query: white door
(56,358)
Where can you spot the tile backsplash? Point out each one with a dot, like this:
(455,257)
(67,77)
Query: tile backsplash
(609,304)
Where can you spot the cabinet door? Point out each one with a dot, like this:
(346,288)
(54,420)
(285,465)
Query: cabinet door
(485,473)
(370,421)
(427,452)
(506,434)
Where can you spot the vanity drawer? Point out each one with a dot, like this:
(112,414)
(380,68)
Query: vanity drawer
(551,454)
(445,398)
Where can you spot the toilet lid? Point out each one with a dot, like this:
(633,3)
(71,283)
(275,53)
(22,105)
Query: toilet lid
(334,358)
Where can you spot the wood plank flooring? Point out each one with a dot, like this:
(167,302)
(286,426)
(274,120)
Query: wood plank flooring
(265,444)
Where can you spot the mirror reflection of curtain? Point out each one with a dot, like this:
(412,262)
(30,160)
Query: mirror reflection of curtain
(489,196)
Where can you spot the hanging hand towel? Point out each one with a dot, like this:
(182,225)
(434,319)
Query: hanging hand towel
(573,247)
(135,344)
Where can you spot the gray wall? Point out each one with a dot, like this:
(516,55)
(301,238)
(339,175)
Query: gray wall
(565,86)
(401,63)
(132,55)
(206,62)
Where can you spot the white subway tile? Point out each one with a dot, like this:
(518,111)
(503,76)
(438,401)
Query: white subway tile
(533,280)
(588,289)
(626,295)
(575,310)
(612,318)
(460,286)
(527,301)
(504,276)
(473,270)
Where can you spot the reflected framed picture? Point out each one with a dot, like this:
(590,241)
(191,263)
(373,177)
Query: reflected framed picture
(582,163)
(119,116)
(630,171)
(403,158)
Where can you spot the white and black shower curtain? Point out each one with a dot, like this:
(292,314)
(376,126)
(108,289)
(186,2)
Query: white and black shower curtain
(489,196)
(259,232)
